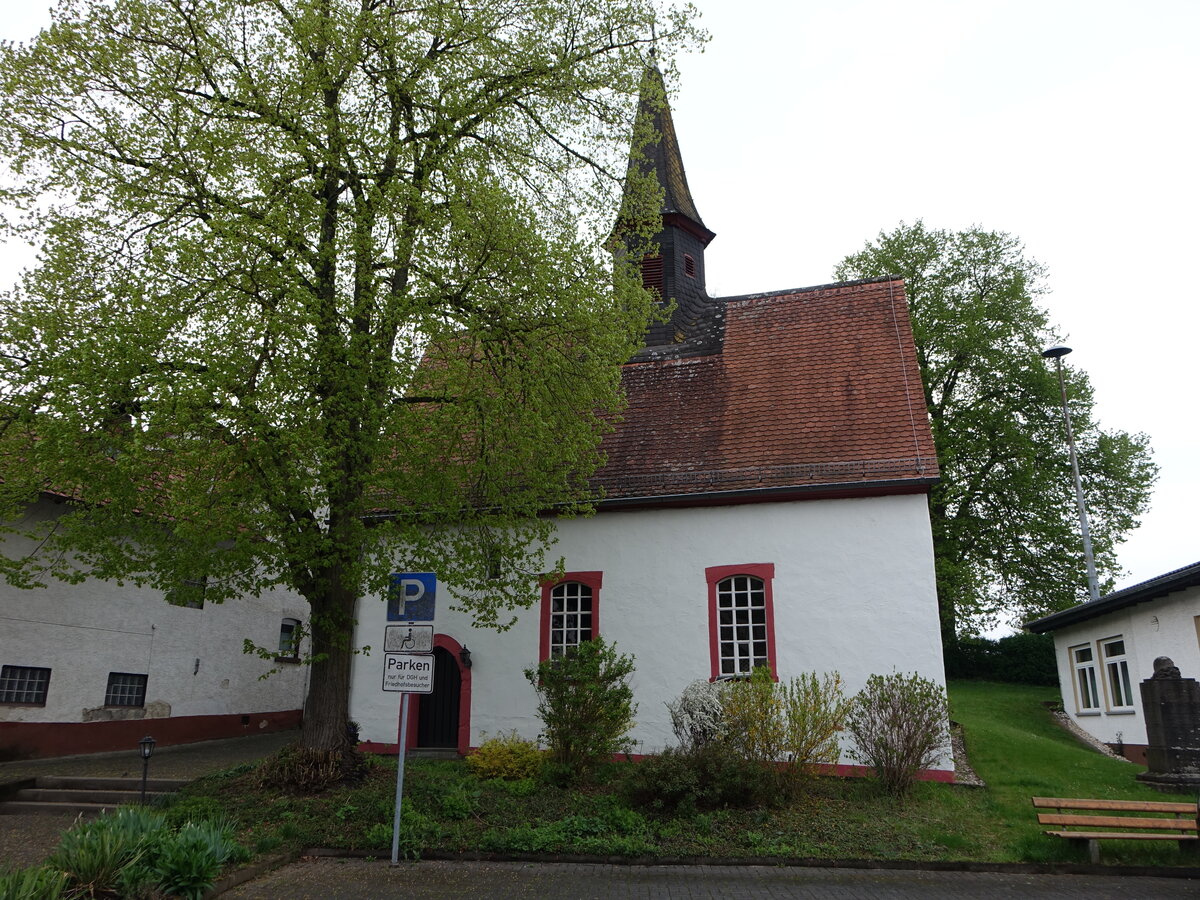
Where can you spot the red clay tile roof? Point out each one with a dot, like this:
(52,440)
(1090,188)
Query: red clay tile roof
(816,388)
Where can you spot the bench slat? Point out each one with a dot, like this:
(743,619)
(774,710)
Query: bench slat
(1116,835)
(1117,821)
(1187,809)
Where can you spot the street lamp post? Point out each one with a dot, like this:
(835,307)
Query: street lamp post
(1056,353)
(146,747)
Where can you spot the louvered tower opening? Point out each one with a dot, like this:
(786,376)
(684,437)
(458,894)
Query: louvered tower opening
(652,274)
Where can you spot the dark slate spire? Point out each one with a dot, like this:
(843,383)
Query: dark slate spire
(677,271)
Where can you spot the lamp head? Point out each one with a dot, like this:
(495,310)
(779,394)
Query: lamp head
(1056,352)
(146,746)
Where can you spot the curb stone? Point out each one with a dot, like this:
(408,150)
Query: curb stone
(1181,872)
(249,873)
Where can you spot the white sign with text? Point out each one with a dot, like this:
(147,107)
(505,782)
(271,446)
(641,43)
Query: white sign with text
(408,673)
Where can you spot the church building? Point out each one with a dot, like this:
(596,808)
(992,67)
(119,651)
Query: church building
(765,502)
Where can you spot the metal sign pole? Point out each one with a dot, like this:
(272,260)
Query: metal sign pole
(400,778)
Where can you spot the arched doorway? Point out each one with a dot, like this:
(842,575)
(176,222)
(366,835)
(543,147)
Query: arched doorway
(443,718)
(437,719)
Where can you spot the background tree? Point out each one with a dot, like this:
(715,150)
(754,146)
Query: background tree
(256,219)
(1005,522)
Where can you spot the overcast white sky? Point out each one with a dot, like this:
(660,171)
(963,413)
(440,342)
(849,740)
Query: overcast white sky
(809,127)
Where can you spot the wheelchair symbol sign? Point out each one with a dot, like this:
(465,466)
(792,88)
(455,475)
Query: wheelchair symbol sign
(408,639)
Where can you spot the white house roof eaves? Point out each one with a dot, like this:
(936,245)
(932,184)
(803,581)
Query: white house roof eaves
(1178,580)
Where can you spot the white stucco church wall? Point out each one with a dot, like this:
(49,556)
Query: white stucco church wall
(853,591)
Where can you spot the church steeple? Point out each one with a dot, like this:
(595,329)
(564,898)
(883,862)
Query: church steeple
(676,271)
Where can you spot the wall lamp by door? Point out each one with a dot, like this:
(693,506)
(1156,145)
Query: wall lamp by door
(464,656)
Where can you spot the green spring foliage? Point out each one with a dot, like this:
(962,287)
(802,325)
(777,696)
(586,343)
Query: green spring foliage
(585,704)
(508,756)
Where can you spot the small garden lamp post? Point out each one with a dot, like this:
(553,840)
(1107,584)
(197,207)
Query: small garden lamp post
(1056,353)
(146,746)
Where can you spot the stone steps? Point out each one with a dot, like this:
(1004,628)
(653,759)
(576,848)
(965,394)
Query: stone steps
(88,796)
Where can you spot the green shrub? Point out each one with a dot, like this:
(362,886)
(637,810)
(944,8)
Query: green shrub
(310,770)
(585,704)
(94,853)
(753,714)
(711,776)
(507,756)
(189,861)
(1020,658)
(814,710)
(33,884)
(899,727)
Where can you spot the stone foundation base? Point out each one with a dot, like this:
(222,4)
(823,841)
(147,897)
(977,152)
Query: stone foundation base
(1171,782)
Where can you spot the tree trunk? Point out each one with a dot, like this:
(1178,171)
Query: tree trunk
(326,709)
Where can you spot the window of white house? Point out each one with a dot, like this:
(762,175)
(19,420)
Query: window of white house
(26,685)
(125,689)
(289,638)
(570,612)
(190,594)
(741,619)
(1087,695)
(1116,672)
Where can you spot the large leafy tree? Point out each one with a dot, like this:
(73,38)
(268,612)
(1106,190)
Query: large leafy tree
(322,292)
(1005,522)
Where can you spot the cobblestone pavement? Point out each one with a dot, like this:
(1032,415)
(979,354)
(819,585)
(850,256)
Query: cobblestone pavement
(325,879)
(27,839)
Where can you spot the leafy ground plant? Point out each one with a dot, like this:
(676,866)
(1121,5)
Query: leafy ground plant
(42,883)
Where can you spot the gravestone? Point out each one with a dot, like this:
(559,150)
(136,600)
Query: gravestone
(1171,705)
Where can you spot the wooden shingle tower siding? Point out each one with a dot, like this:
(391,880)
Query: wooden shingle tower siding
(676,271)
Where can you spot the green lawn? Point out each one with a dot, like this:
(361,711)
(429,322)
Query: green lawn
(1020,752)
(1012,742)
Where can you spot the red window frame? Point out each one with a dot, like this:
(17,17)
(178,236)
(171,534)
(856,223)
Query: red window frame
(592,580)
(714,575)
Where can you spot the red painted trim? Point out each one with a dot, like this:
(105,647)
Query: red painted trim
(37,740)
(715,574)
(592,580)
(463,740)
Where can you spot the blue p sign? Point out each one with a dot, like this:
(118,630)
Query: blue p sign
(412,597)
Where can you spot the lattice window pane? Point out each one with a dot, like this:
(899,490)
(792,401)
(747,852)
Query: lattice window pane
(24,684)
(741,618)
(570,616)
(125,689)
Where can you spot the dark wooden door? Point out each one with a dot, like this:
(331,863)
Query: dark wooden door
(437,720)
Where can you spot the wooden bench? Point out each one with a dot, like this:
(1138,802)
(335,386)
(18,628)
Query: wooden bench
(1129,820)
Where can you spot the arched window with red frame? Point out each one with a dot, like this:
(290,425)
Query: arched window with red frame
(570,612)
(741,619)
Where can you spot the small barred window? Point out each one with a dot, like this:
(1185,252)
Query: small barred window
(125,689)
(24,684)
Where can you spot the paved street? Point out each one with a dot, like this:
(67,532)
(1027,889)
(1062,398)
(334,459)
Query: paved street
(326,879)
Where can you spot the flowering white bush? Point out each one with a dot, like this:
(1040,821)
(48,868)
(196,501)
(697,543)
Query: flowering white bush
(698,716)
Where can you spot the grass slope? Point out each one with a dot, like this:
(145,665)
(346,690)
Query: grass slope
(1018,749)
(1012,741)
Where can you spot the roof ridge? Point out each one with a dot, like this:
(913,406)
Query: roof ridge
(758,295)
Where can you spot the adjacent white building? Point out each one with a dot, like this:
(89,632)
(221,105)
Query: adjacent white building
(1107,647)
(97,665)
